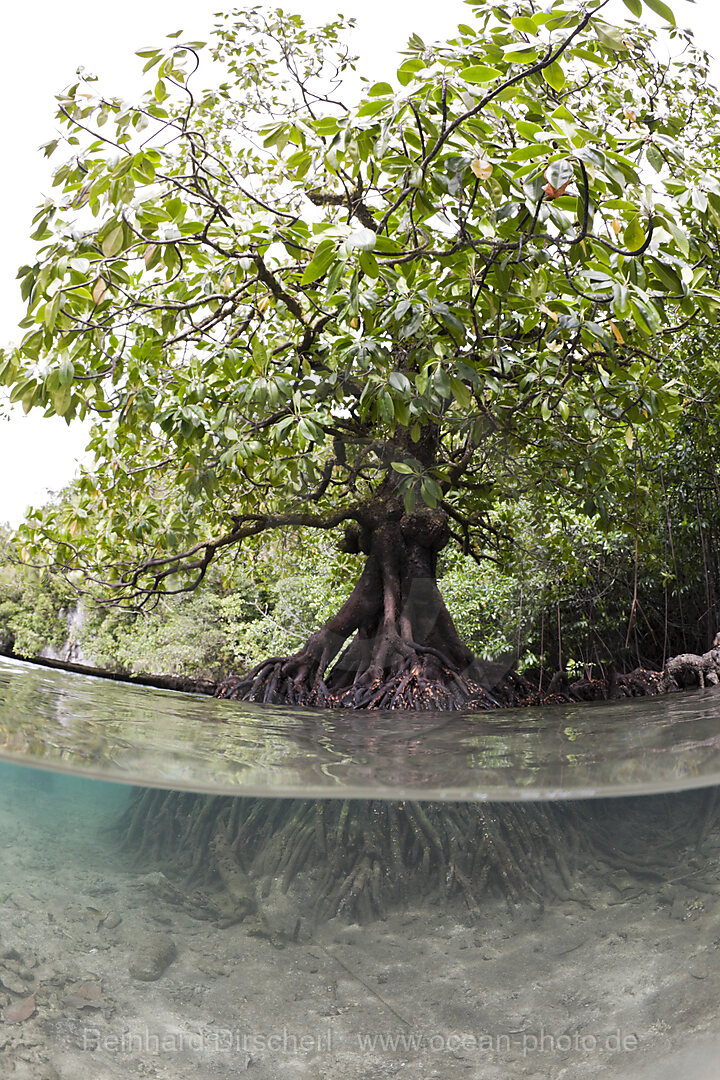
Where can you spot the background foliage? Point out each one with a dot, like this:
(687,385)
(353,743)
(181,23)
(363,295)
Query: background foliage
(267,298)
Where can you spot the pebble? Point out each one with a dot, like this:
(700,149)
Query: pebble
(152,956)
(111,920)
(700,969)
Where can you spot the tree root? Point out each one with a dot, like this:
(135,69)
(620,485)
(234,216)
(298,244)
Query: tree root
(273,682)
(360,858)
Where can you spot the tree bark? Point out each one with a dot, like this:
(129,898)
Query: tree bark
(392,644)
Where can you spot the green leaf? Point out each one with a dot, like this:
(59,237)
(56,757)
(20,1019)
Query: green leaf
(621,301)
(524,24)
(681,238)
(368,264)
(401,467)
(646,317)
(520,54)
(559,173)
(325,126)
(655,158)
(51,311)
(399,382)
(479,73)
(612,37)
(380,89)
(554,76)
(667,276)
(321,260)
(634,235)
(662,10)
(635,6)
(441,383)
(61,400)
(372,108)
(430,491)
(460,392)
(112,241)
(260,356)
(407,71)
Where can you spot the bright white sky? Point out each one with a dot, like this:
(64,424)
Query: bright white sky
(45,41)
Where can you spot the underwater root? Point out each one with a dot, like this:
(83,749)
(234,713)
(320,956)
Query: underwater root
(357,858)
(361,859)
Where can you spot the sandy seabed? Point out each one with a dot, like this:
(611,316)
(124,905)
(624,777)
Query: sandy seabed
(622,984)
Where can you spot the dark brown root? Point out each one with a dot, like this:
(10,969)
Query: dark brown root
(410,688)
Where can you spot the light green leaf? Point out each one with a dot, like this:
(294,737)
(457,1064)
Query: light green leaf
(61,400)
(112,241)
(479,73)
(51,311)
(662,10)
(554,75)
(621,301)
(612,37)
(407,71)
(634,235)
(524,24)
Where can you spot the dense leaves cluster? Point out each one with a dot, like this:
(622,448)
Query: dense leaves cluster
(274,304)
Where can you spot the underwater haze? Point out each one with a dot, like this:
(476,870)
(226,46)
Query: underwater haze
(200,888)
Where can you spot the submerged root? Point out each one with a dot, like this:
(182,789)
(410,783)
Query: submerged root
(359,858)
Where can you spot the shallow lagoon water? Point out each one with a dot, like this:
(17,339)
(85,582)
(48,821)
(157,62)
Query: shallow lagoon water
(136,734)
(619,978)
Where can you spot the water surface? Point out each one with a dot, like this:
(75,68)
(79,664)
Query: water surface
(139,735)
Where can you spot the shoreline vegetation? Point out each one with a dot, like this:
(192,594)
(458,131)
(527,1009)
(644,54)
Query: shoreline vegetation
(459,329)
(553,625)
(556,623)
(685,671)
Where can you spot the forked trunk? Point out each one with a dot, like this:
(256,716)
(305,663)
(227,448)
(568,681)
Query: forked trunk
(393,643)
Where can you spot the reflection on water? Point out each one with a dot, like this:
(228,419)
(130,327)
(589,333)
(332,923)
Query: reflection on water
(140,735)
(158,932)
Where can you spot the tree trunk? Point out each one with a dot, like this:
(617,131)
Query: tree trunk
(393,643)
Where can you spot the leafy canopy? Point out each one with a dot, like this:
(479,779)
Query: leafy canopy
(272,302)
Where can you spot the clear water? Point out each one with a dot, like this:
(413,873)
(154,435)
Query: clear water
(139,735)
(615,973)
